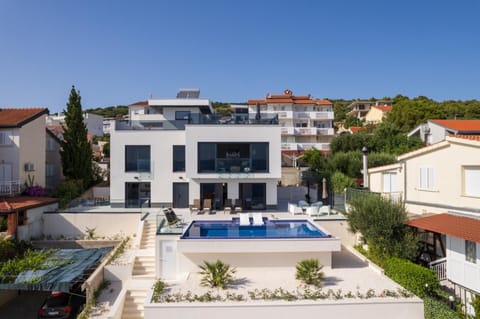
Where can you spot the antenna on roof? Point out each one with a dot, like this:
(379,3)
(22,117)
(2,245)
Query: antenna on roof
(151,95)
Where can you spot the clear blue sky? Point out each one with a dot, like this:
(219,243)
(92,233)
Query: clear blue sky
(119,52)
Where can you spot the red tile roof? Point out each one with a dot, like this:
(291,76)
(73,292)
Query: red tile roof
(19,117)
(459,125)
(140,103)
(356,129)
(25,202)
(466,137)
(384,108)
(452,225)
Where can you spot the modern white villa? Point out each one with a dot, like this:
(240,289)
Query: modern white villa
(435,131)
(173,151)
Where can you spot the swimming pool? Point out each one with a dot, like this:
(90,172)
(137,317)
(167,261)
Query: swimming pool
(271,229)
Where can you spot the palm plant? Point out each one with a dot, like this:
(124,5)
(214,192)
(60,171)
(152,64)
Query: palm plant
(217,274)
(309,271)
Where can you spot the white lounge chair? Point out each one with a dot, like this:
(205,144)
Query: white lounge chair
(312,210)
(257,219)
(294,209)
(244,219)
(324,210)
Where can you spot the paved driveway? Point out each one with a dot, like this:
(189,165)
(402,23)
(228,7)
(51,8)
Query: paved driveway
(24,306)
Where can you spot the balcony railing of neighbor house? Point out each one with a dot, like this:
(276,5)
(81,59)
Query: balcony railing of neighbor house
(439,266)
(198,119)
(305,146)
(10,188)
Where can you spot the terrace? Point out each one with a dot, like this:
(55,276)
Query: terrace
(196,119)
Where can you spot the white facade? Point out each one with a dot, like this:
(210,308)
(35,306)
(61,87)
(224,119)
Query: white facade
(435,131)
(93,122)
(437,178)
(305,123)
(166,126)
(459,269)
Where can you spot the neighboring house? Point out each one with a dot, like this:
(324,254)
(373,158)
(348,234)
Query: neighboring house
(440,186)
(53,161)
(24,215)
(435,131)
(376,114)
(93,122)
(22,149)
(359,109)
(441,177)
(172,151)
(305,122)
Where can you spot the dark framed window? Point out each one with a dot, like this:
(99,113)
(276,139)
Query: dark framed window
(233,157)
(179,158)
(206,157)
(137,158)
(471,251)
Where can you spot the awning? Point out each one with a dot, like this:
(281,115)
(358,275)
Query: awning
(452,225)
(74,265)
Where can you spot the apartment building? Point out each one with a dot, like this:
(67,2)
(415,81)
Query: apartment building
(360,109)
(93,122)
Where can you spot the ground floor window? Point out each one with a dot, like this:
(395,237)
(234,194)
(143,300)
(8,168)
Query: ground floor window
(253,195)
(137,195)
(471,251)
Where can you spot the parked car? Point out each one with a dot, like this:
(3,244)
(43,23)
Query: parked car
(61,305)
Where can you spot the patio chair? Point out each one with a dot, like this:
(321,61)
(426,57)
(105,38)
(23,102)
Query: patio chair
(325,209)
(294,209)
(244,219)
(195,208)
(227,207)
(302,203)
(257,219)
(238,205)
(311,210)
(207,206)
(171,217)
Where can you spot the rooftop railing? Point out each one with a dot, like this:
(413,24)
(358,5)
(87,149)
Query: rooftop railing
(197,119)
(10,188)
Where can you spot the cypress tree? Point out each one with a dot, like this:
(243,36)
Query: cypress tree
(77,152)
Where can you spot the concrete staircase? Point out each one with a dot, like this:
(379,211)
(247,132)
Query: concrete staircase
(144,267)
(143,273)
(133,306)
(148,236)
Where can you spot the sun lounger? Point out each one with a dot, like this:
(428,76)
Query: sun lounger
(257,219)
(244,219)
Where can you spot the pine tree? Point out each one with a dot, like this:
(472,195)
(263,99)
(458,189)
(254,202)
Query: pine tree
(77,152)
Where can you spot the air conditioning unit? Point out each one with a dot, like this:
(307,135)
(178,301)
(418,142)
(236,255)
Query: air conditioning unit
(29,167)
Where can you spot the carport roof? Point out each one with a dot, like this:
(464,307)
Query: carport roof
(75,265)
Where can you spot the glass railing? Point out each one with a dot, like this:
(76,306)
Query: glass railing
(164,228)
(198,119)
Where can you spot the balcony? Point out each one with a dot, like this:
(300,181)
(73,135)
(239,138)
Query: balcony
(305,146)
(197,119)
(10,188)
(306,131)
(314,115)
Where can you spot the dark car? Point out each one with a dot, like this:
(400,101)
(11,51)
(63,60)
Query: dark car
(61,305)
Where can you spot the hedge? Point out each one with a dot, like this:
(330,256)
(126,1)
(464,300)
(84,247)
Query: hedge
(419,280)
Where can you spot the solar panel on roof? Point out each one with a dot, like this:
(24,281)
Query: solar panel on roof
(188,94)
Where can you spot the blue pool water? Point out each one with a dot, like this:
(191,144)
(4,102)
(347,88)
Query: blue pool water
(271,229)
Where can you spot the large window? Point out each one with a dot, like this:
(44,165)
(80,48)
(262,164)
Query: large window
(137,195)
(232,157)
(179,158)
(471,178)
(426,180)
(5,137)
(182,115)
(137,158)
(471,251)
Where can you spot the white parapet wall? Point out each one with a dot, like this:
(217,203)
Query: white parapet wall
(377,308)
(75,224)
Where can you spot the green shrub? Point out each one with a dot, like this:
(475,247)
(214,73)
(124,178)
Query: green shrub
(435,309)
(217,274)
(419,280)
(68,190)
(341,181)
(475,302)
(158,289)
(310,272)
(10,248)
